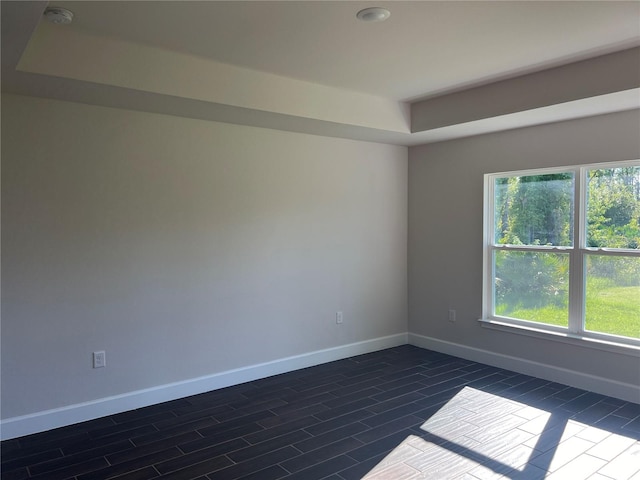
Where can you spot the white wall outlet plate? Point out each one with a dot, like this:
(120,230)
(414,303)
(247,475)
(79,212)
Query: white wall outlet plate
(99,359)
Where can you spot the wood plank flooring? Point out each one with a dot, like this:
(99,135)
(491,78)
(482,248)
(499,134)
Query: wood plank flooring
(401,413)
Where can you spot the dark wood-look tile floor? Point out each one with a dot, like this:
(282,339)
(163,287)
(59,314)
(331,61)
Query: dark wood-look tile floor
(401,413)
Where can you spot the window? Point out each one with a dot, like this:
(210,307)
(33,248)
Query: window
(562,251)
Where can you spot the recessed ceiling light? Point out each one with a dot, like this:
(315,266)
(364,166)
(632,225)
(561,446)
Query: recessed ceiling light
(59,16)
(373,14)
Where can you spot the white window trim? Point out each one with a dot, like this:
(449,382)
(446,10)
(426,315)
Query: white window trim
(575,334)
(562,337)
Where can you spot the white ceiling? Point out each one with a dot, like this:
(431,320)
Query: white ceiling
(425,49)
(422,49)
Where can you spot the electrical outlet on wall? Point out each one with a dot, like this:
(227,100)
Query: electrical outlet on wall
(452,315)
(339,317)
(99,359)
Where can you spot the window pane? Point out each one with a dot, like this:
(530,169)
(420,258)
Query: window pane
(532,286)
(534,210)
(613,208)
(613,295)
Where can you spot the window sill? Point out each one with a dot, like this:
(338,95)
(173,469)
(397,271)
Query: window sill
(563,337)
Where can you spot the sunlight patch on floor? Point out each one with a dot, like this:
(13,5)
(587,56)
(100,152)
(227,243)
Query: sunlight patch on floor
(482,436)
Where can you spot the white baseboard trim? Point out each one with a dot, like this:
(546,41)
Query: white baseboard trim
(59,417)
(604,386)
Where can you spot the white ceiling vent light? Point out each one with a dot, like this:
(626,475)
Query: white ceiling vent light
(373,14)
(59,16)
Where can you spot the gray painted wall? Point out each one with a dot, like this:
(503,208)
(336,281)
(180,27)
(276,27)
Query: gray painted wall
(185,248)
(445,232)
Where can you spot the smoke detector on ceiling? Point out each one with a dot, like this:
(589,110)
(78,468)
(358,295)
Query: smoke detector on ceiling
(59,16)
(373,14)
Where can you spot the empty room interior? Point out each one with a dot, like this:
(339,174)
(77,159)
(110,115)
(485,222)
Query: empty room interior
(320,240)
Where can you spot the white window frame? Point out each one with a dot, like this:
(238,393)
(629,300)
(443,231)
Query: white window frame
(575,333)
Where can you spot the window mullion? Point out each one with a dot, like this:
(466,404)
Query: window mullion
(577,259)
